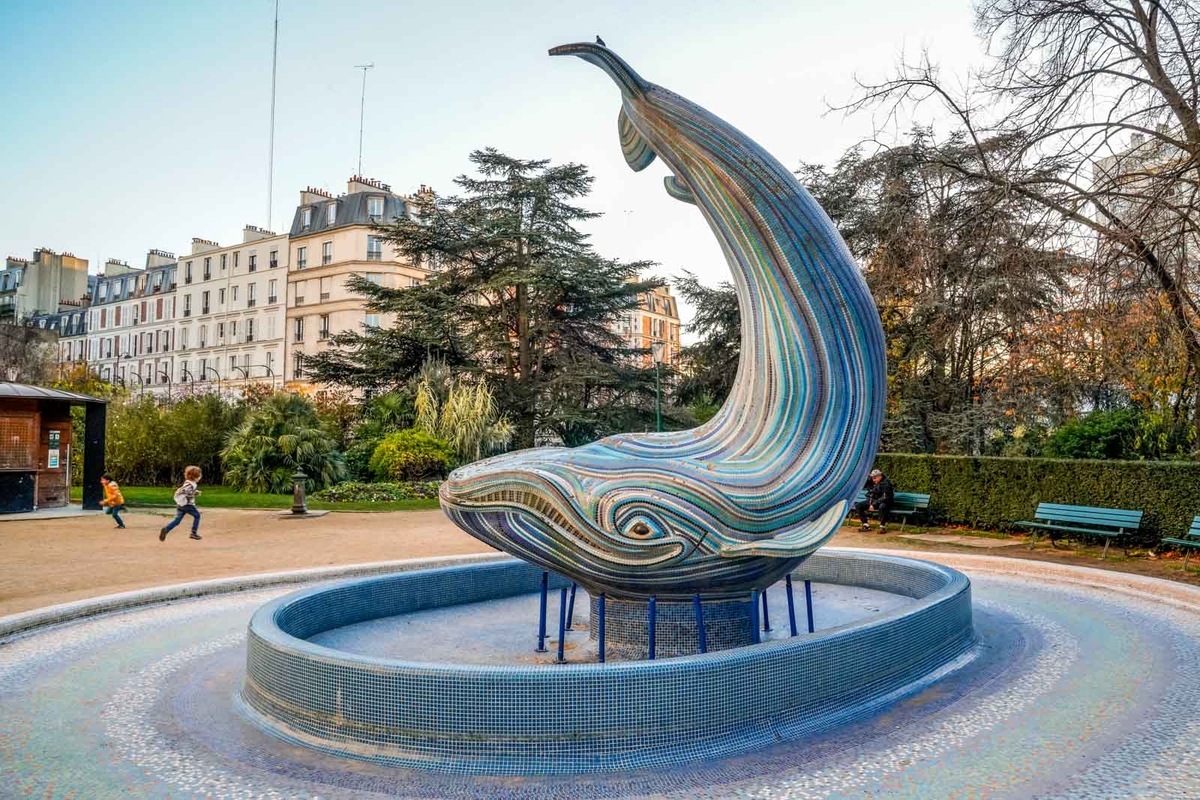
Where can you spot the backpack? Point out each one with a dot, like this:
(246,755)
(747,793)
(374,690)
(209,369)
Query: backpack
(181,498)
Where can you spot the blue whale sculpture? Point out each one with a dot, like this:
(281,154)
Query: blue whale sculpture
(737,502)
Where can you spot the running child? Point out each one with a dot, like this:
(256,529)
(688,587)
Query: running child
(185,503)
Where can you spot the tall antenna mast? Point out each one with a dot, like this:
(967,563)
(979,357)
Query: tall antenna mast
(362,109)
(271,146)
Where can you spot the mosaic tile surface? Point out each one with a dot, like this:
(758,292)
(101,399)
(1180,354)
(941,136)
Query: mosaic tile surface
(1079,692)
(739,501)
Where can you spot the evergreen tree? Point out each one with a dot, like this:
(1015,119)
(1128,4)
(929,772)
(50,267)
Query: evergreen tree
(517,297)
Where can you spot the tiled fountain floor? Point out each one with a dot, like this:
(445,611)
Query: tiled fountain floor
(1076,691)
(505,631)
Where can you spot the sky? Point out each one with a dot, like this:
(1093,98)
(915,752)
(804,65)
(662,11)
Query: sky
(138,125)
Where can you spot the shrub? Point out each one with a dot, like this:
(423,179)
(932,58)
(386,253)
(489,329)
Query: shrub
(411,455)
(994,493)
(356,492)
(281,436)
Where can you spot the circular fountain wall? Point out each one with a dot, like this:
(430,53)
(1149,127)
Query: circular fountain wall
(588,717)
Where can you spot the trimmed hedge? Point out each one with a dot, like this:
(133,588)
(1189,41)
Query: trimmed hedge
(994,493)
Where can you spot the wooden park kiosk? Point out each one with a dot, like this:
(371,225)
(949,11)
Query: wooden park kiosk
(35,448)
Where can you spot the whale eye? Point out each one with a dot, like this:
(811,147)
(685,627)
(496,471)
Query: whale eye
(639,530)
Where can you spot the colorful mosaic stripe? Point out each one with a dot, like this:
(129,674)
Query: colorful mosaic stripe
(738,501)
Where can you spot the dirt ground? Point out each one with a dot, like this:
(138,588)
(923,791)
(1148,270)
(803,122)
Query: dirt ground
(56,561)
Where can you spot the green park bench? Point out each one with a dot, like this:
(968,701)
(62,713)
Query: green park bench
(1083,521)
(1188,540)
(904,504)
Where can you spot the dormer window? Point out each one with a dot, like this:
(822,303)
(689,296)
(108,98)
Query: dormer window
(375,208)
(306,217)
(331,214)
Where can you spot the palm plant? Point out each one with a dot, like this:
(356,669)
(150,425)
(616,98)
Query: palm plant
(282,436)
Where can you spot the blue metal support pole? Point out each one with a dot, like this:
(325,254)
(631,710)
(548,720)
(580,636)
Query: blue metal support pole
(766,613)
(653,623)
(541,648)
(600,625)
(562,622)
(700,632)
(808,601)
(791,605)
(571,608)
(754,635)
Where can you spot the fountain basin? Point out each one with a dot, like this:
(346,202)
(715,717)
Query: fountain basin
(578,718)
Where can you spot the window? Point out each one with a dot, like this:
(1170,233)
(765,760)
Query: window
(306,217)
(326,288)
(120,287)
(156,282)
(375,208)
(203,365)
(272,295)
(207,269)
(298,365)
(235,259)
(224,261)
(220,331)
(233,330)
(117,316)
(183,338)
(331,214)
(252,265)
(271,327)
(187,305)
(374,277)
(298,329)
(221,297)
(327,253)
(203,337)
(235,294)
(246,362)
(232,364)
(204,302)
(271,364)
(102,292)
(183,371)
(324,332)
(187,272)
(251,295)
(374,248)
(273,261)
(372,320)
(301,257)
(249,330)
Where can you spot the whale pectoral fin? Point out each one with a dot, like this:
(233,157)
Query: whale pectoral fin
(676,189)
(799,541)
(636,149)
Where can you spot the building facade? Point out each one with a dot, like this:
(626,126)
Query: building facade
(130,331)
(652,325)
(331,239)
(47,283)
(230,310)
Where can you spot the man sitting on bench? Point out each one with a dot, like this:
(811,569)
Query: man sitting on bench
(880,497)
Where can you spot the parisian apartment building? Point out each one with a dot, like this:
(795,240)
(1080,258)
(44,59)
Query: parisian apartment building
(222,316)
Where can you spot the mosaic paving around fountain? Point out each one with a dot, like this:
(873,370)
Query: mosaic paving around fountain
(1075,692)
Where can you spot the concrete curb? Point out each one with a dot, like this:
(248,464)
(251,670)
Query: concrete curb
(28,621)
(1180,595)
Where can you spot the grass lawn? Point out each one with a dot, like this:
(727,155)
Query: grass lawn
(224,497)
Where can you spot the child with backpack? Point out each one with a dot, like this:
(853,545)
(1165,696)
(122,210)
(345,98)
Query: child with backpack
(185,503)
(114,501)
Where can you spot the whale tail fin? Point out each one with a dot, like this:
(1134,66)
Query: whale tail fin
(799,541)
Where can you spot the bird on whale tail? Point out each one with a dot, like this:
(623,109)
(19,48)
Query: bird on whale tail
(742,499)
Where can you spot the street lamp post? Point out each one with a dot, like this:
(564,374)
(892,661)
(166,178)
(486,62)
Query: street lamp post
(659,350)
(214,372)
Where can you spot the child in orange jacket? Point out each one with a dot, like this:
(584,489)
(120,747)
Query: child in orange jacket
(113,502)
